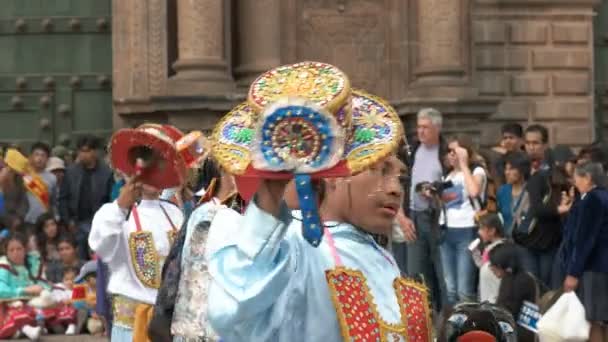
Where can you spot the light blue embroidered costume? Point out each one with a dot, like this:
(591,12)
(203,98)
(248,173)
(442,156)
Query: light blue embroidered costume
(270,285)
(190,316)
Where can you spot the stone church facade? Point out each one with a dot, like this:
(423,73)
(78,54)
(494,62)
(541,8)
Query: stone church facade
(481,62)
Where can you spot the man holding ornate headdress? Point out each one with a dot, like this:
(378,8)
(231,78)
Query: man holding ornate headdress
(134,234)
(319,276)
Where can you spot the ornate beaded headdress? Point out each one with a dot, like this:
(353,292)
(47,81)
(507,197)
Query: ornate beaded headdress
(168,151)
(304,121)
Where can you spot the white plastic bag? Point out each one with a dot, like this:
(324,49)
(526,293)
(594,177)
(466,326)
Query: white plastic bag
(564,321)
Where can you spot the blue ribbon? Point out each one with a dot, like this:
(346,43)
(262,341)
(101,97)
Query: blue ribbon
(312,229)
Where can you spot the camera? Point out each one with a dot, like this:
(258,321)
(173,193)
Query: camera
(434,187)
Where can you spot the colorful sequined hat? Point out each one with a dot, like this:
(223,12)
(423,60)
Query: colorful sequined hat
(155,145)
(304,121)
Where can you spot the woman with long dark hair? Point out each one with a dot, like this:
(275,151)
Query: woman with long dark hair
(48,232)
(461,201)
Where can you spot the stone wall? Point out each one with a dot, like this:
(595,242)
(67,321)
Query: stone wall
(537,57)
(482,62)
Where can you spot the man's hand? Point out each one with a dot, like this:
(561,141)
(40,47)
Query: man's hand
(129,194)
(270,195)
(407,226)
(565,203)
(570,284)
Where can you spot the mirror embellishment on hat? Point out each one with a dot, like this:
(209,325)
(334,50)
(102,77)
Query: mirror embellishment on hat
(376,131)
(304,122)
(321,83)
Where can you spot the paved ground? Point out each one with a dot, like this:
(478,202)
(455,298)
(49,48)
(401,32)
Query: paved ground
(64,338)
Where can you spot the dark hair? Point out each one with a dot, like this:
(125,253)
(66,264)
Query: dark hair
(520,162)
(74,270)
(594,153)
(512,128)
(43,240)
(506,256)
(21,238)
(542,130)
(89,141)
(466,142)
(39,145)
(209,171)
(67,238)
(491,220)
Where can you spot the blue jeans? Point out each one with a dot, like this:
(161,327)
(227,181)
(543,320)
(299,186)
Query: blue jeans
(539,263)
(457,263)
(423,256)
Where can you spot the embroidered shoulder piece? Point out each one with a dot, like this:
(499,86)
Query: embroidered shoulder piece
(145,259)
(358,315)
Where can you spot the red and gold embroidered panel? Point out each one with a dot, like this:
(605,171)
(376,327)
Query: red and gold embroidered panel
(358,315)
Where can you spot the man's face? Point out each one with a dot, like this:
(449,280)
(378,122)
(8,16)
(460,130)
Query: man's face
(87,155)
(427,132)
(535,147)
(371,199)
(38,159)
(511,142)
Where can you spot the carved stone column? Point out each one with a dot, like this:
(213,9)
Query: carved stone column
(259,38)
(442,49)
(202,50)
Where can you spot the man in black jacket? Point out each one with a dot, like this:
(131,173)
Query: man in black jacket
(425,165)
(87,185)
(540,245)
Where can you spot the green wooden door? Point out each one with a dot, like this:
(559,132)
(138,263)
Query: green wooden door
(55,70)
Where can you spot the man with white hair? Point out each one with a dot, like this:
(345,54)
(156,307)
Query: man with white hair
(422,249)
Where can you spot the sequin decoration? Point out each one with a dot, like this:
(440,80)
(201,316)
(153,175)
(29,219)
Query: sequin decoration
(321,83)
(172,235)
(358,315)
(297,136)
(145,259)
(414,302)
(232,139)
(376,131)
(123,310)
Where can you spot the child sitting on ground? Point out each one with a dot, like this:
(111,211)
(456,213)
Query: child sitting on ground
(85,297)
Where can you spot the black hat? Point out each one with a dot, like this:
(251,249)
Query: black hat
(480,322)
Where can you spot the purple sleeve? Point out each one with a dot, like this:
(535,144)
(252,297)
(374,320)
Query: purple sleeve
(103,307)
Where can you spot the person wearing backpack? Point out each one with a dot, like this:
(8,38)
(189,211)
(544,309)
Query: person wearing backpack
(538,223)
(460,205)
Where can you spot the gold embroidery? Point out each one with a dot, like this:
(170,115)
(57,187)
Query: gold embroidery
(171,235)
(145,259)
(123,309)
(358,314)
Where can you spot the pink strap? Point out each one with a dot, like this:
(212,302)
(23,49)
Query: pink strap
(332,247)
(485,256)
